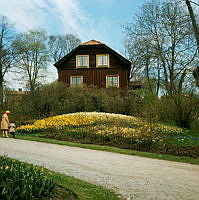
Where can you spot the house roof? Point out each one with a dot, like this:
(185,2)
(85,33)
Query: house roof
(92,43)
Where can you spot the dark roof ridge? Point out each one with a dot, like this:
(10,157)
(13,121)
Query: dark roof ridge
(89,43)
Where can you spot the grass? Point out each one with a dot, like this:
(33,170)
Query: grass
(188,138)
(113,149)
(84,190)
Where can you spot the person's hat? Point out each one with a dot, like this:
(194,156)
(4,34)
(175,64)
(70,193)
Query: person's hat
(7,112)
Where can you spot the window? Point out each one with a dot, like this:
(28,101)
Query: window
(82,61)
(102,60)
(76,81)
(112,81)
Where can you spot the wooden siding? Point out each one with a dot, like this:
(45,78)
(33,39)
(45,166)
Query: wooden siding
(96,77)
(93,75)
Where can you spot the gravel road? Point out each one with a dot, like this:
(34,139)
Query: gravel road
(133,177)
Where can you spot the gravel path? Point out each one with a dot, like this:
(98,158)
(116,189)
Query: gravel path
(133,177)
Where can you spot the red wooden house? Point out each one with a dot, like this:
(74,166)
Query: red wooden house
(94,63)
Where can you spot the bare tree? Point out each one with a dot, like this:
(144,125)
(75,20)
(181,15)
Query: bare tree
(60,45)
(193,20)
(166,48)
(196,33)
(7,56)
(132,53)
(33,56)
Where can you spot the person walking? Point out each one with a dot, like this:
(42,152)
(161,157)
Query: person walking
(12,129)
(5,123)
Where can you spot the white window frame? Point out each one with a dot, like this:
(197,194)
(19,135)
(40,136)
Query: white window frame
(118,81)
(77,61)
(77,85)
(97,61)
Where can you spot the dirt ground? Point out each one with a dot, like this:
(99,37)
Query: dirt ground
(133,177)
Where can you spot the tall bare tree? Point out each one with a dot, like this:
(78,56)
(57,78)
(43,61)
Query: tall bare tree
(33,56)
(196,33)
(7,57)
(166,48)
(60,45)
(193,20)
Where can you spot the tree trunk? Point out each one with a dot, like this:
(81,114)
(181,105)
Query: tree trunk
(1,88)
(147,74)
(196,33)
(158,81)
(194,24)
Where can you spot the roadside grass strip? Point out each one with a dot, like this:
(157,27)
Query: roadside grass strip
(183,159)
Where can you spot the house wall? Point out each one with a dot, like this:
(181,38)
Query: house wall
(95,77)
(92,75)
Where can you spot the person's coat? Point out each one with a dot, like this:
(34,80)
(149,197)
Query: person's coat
(4,122)
(12,128)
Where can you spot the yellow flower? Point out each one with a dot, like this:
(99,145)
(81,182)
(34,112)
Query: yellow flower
(7,167)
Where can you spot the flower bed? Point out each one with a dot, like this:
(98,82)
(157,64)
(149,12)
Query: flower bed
(104,119)
(23,181)
(115,130)
(102,128)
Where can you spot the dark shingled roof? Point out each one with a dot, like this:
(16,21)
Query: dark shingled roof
(92,43)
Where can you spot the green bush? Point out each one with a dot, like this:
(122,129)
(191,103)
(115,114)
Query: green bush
(55,98)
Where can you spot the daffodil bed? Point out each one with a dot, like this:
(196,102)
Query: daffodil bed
(100,124)
(115,130)
(23,181)
(86,119)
